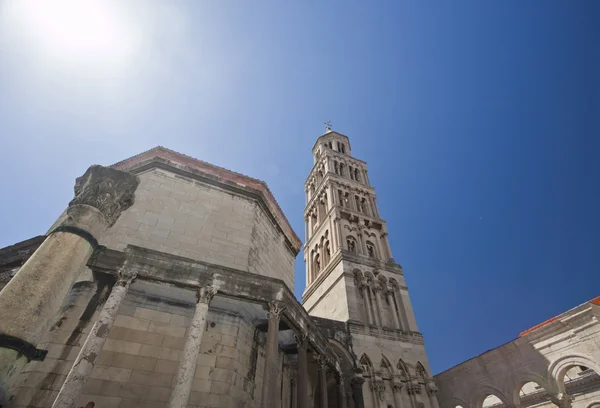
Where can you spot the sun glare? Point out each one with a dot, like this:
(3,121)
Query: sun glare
(80,29)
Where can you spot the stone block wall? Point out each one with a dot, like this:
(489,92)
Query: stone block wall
(140,358)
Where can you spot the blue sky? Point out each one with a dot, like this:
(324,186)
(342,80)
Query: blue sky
(480,123)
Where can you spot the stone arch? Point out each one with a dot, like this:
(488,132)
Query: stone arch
(559,368)
(366,365)
(370,277)
(382,280)
(516,382)
(386,368)
(593,404)
(483,391)
(348,361)
(420,371)
(403,369)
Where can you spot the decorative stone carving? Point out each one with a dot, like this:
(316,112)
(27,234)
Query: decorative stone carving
(300,338)
(206,294)
(397,386)
(275,308)
(413,388)
(109,190)
(432,389)
(321,361)
(378,387)
(356,383)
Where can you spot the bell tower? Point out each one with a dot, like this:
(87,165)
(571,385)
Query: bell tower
(350,272)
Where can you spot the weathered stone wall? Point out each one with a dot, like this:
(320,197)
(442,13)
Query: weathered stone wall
(183,217)
(137,365)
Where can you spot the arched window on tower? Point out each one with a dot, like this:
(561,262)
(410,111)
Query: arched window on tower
(336,167)
(339,147)
(358,204)
(351,171)
(326,253)
(343,148)
(317,263)
(330,145)
(341,169)
(371,250)
(356,177)
(351,244)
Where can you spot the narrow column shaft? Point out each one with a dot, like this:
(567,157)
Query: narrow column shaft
(302,383)
(322,381)
(357,391)
(187,362)
(401,309)
(374,305)
(86,359)
(433,399)
(342,393)
(376,293)
(338,230)
(397,388)
(365,292)
(269,389)
(394,311)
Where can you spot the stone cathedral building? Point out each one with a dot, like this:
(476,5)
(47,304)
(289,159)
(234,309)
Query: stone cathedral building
(168,282)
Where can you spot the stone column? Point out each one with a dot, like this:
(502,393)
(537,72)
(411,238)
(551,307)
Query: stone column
(390,298)
(342,403)
(372,294)
(397,389)
(357,394)
(302,387)
(269,389)
(377,291)
(432,391)
(32,299)
(401,309)
(338,230)
(189,356)
(322,362)
(364,289)
(293,394)
(86,359)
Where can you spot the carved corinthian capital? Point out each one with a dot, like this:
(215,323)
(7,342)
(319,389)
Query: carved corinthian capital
(109,190)
(206,294)
(275,308)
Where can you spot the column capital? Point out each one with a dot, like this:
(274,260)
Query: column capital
(321,361)
(563,400)
(432,389)
(109,190)
(275,308)
(301,339)
(397,386)
(125,275)
(205,294)
(378,386)
(357,382)
(413,388)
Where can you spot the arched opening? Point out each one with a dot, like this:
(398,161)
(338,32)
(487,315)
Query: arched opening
(372,250)
(530,393)
(351,244)
(491,401)
(570,374)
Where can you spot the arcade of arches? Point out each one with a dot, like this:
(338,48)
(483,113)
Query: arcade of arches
(556,363)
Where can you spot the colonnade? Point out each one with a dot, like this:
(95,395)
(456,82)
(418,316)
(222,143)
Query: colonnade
(373,292)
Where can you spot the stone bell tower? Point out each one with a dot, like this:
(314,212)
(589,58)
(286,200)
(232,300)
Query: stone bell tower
(350,272)
(351,277)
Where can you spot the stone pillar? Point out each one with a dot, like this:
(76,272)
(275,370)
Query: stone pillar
(376,315)
(189,356)
(33,297)
(377,292)
(397,389)
(338,231)
(364,289)
(334,241)
(322,362)
(302,387)
(397,294)
(357,394)
(342,403)
(293,394)
(386,246)
(86,359)
(269,389)
(390,298)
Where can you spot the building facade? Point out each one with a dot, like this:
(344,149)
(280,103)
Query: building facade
(555,363)
(168,282)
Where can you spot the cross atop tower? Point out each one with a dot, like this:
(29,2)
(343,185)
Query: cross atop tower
(328,125)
